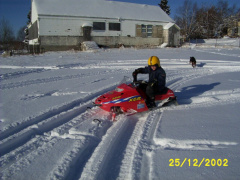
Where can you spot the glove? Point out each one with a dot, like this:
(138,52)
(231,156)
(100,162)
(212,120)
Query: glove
(154,83)
(134,74)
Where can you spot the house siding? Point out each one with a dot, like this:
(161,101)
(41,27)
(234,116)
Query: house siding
(66,31)
(53,43)
(33,31)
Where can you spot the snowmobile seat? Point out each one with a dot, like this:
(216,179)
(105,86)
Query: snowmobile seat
(164,91)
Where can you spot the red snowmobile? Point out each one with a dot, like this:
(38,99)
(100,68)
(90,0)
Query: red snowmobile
(130,99)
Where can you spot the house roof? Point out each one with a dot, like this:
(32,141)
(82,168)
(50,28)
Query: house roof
(101,9)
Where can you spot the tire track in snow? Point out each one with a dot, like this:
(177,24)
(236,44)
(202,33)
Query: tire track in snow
(204,99)
(72,160)
(18,74)
(87,135)
(16,136)
(105,161)
(57,120)
(54,79)
(210,99)
(136,163)
(22,156)
(178,78)
(39,128)
(39,81)
(121,152)
(174,81)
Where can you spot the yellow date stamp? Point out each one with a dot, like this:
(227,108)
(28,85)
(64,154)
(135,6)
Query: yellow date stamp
(198,162)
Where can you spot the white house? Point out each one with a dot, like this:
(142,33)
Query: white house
(64,24)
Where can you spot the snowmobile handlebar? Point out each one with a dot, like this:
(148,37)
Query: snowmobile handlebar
(137,83)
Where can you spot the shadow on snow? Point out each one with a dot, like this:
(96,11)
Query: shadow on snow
(186,93)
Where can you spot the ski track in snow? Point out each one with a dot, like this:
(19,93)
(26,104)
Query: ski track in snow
(96,145)
(19,73)
(50,80)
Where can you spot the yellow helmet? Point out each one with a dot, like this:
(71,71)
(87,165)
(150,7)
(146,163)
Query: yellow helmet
(153,60)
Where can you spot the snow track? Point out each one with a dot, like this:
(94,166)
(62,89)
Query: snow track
(32,134)
(17,74)
(47,80)
(62,137)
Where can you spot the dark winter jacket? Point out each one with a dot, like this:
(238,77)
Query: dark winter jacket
(158,76)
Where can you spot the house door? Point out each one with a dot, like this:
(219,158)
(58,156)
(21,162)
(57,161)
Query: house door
(87,33)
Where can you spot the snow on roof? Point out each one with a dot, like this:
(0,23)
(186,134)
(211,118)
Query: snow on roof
(169,25)
(101,9)
(87,25)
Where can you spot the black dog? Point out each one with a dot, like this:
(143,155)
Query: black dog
(193,62)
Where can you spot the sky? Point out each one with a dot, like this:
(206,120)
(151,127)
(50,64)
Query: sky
(16,11)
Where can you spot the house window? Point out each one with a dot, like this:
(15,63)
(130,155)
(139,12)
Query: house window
(147,30)
(114,26)
(99,26)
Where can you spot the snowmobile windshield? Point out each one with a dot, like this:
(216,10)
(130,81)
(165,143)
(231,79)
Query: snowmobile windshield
(125,80)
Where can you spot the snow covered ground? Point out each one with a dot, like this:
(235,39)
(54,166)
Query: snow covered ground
(46,131)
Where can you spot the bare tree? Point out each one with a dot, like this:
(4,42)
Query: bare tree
(186,18)
(21,34)
(227,16)
(207,21)
(6,33)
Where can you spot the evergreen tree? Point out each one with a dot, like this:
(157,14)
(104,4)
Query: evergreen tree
(29,16)
(26,30)
(164,6)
